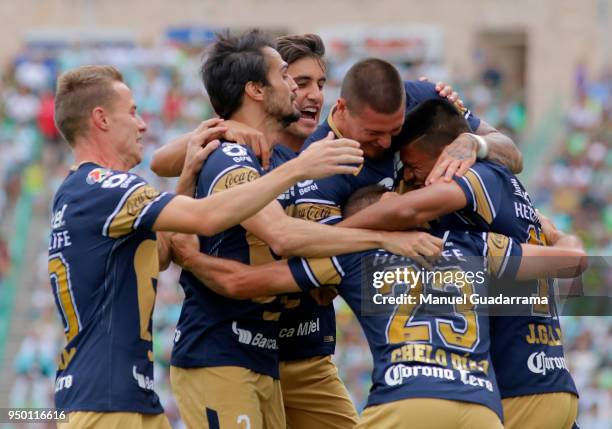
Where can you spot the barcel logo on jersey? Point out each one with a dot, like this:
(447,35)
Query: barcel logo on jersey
(144,381)
(539,363)
(258,340)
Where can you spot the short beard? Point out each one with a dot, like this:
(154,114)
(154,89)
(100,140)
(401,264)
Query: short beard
(289,119)
(275,110)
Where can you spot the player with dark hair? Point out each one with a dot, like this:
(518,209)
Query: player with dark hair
(431,368)
(225,356)
(104,255)
(374,80)
(487,198)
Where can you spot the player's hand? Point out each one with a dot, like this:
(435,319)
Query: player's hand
(419,246)
(445,90)
(551,233)
(324,295)
(203,141)
(183,247)
(248,136)
(329,157)
(455,159)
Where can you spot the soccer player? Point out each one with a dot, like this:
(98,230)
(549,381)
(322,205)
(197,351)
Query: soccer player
(371,110)
(431,370)
(103,254)
(487,198)
(225,356)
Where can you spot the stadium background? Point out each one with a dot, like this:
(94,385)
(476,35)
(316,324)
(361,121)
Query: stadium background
(538,70)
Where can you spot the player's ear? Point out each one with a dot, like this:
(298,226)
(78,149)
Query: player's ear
(341,107)
(254,90)
(100,118)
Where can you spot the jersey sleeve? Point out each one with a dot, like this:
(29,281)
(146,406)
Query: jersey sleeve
(129,203)
(312,273)
(228,166)
(503,256)
(480,184)
(419,91)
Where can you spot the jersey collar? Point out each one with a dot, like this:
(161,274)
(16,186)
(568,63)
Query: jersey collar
(332,124)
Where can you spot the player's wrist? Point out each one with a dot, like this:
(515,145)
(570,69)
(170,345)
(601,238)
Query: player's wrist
(482,147)
(294,170)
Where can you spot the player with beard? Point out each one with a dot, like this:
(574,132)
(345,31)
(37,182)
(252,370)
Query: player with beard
(373,124)
(106,300)
(313,393)
(225,357)
(431,369)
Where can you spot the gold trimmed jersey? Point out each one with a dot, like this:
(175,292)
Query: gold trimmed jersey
(527,350)
(103,266)
(214,330)
(309,329)
(422,350)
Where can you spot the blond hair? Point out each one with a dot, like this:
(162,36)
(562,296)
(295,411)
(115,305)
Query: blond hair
(78,92)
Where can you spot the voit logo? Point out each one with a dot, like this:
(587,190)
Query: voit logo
(539,363)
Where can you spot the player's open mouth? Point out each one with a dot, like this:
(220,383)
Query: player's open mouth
(309,114)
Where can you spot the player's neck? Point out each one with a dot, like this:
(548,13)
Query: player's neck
(100,154)
(292,141)
(256,118)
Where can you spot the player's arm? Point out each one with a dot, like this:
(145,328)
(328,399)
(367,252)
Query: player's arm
(564,257)
(163,250)
(289,236)
(230,278)
(235,280)
(502,148)
(411,209)
(461,154)
(216,213)
(168,160)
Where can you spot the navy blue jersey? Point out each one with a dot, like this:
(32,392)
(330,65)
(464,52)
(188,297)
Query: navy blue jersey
(213,330)
(527,351)
(419,353)
(280,155)
(320,201)
(103,266)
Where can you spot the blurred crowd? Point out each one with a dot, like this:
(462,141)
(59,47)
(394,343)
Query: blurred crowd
(574,187)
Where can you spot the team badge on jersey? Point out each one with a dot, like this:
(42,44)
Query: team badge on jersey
(97,175)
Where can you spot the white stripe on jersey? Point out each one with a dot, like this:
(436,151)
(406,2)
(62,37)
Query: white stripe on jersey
(309,273)
(109,220)
(146,209)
